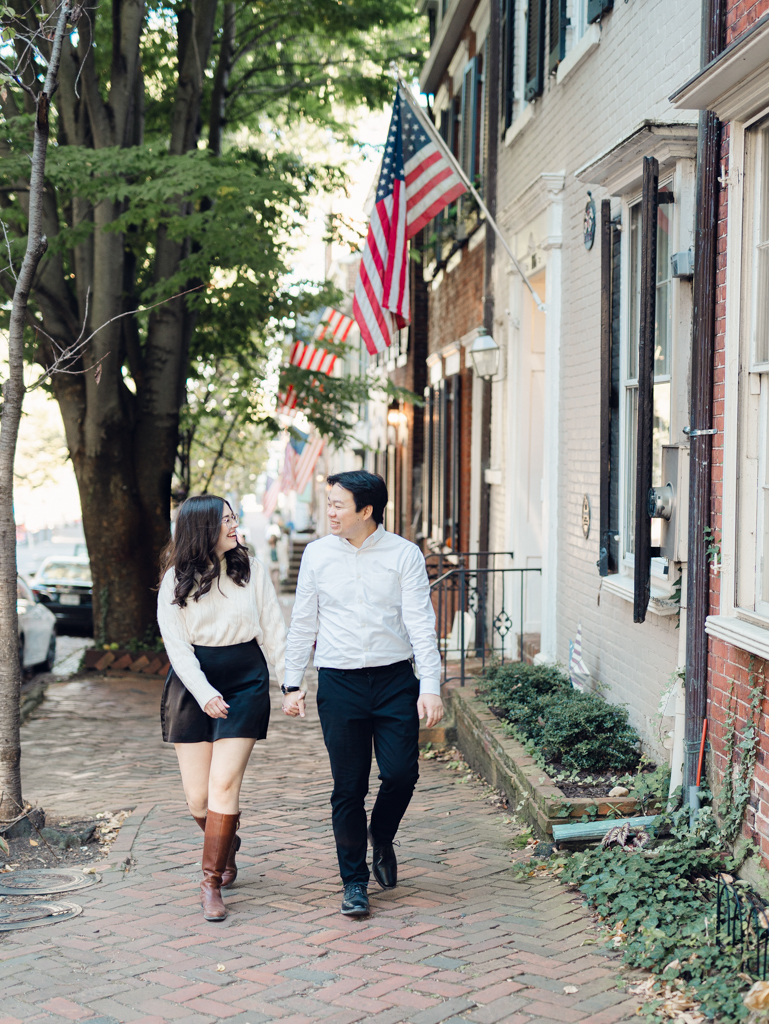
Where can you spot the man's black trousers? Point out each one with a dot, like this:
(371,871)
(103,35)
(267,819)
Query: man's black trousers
(355,707)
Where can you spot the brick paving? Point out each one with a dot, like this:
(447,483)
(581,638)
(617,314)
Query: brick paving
(459,940)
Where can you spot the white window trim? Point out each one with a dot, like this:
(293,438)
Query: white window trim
(579,52)
(741,627)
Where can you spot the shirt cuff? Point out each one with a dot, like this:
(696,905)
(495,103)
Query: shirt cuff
(430,686)
(293,677)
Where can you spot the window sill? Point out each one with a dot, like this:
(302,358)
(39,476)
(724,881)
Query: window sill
(519,124)
(579,52)
(622,587)
(745,635)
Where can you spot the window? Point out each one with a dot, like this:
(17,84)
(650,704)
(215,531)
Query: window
(753,476)
(662,363)
(442,440)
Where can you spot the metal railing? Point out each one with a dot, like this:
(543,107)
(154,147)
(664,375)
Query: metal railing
(479,601)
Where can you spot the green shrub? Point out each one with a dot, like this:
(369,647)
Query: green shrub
(579,730)
(584,731)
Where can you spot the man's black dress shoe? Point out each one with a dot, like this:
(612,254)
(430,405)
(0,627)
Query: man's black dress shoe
(355,900)
(383,863)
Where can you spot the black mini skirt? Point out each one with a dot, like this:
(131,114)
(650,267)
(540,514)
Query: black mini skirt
(239,672)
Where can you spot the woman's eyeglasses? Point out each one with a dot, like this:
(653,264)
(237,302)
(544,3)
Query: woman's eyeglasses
(230,520)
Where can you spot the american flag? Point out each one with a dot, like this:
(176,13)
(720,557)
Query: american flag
(299,461)
(308,357)
(286,404)
(333,326)
(305,464)
(416,182)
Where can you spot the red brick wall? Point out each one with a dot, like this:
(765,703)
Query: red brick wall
(740,16)
(457,306)
(730,666)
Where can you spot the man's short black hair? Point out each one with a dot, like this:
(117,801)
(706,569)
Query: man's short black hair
(366,489)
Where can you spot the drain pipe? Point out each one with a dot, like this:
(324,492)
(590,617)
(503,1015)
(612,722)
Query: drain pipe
(701,417)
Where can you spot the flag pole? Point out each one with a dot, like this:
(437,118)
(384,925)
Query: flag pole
(430,129)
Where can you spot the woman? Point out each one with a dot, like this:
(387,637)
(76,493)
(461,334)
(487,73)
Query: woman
(217,610)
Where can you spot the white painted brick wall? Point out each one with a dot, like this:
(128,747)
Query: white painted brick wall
(646,51)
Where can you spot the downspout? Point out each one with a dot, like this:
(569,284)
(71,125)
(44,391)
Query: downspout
(701,418)
(491,73)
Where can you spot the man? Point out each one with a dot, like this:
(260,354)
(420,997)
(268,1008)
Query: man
(363,599)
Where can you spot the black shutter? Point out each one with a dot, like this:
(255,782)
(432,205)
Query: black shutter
(535,49)
(606,368)
(595,8)
(648,302)
(507,26)
(557,33)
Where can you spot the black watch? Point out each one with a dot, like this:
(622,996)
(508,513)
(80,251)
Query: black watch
(289,689)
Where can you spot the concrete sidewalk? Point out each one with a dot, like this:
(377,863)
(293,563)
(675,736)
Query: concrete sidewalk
(459,939)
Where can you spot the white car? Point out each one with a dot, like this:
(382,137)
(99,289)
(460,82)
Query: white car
(37,630)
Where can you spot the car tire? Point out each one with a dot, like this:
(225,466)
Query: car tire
(50,658)
(21,655)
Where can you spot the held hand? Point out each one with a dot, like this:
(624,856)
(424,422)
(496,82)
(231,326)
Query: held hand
(216,708)
(293,704)
(430,706)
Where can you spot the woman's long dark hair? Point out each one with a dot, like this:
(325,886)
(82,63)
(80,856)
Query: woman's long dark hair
(191,551)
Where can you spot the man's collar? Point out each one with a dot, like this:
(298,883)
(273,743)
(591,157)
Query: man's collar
(373,538)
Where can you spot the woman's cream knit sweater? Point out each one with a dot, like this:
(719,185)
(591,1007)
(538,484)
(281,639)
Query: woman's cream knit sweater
(227,614)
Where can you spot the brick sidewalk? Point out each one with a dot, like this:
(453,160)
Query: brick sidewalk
(459,939)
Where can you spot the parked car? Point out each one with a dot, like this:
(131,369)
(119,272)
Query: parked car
(37,630)
(63,584)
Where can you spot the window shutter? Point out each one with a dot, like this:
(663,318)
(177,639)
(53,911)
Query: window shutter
(427,477)
(557,34)
(648,300)
(507,26)
(595,8)
(468,118)
(535,48)
(606,367)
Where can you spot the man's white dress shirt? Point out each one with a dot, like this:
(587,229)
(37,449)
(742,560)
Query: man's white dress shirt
(363,607)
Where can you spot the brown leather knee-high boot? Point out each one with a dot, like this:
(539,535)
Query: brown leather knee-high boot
(220,831)
(230,873)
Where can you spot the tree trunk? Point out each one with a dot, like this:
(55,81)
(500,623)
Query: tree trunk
(13,394)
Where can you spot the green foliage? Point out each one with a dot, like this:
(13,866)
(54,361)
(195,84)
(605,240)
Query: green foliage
(735,792)
(580,730)
(661,906)
(584,731)
(235,201)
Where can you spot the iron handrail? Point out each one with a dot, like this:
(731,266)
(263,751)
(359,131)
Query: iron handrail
(460,591)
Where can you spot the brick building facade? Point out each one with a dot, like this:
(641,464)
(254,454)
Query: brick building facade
(736,86)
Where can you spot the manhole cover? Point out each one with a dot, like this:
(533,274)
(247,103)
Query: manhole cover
(29,915)
(44,882)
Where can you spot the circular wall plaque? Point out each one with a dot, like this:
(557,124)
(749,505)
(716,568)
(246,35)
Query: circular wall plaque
(29,915)
(585,516)
(44,881)
(588,224)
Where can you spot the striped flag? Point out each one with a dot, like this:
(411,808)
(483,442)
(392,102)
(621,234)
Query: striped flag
(333,326)
(285,481)
(308,357)
(286,404)
(305,464)
(416,182)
